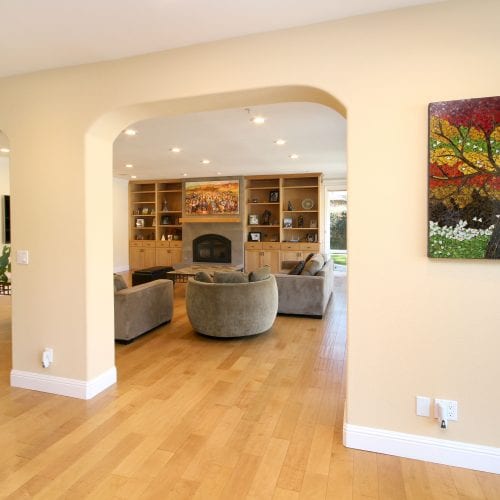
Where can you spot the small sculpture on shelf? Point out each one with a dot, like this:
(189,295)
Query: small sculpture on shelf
(164,206)
(300,221)
(266,217)
(290,206)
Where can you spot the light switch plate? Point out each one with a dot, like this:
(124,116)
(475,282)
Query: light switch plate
(22,257)
(423,406)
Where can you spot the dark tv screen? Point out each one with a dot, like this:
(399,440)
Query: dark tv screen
(6,218)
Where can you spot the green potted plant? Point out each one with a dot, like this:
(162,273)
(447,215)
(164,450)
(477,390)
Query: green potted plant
(5,265)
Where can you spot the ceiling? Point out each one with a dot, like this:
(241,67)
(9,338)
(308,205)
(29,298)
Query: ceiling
(38,34)
(234,145)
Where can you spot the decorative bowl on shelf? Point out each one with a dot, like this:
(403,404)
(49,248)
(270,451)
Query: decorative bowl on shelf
(307,204)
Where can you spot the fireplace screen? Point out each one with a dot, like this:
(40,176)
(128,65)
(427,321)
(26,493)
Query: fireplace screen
(212,248)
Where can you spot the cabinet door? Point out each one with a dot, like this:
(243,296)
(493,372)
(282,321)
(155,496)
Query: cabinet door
(291,255)
(252,260)
(149,257)
(136,257)
(271,258)
(163,257)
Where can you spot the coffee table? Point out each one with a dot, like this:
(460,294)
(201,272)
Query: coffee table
(182,274)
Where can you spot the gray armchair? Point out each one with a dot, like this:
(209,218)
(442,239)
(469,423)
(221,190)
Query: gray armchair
(232,309)
(141,308)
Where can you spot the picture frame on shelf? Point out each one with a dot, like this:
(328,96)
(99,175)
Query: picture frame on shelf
(254,236)
(274,196)
(313,224)
(253,219)
(139,223)
(287,222)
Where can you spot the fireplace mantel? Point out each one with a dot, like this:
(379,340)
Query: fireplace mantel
(204,218)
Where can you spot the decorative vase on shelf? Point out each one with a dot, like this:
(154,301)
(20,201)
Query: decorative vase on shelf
(164,206)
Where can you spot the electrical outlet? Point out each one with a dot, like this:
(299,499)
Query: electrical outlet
(451,407)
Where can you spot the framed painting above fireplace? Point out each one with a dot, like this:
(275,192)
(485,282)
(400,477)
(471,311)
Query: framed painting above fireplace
(220,197)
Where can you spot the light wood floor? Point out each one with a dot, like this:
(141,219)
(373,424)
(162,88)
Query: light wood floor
(193,417)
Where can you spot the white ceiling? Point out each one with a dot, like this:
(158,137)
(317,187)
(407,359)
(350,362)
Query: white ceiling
(38,34)
(234,145)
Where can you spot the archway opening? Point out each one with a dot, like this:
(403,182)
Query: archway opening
(99,155)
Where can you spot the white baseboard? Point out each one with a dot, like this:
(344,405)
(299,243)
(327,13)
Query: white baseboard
(82,389)
(121,269)
(439,451)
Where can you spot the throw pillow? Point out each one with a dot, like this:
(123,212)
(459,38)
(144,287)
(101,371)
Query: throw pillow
(230,277)
(313,265)
(119,282)
(260,274)
(298,268)
(308,257)
(204,277)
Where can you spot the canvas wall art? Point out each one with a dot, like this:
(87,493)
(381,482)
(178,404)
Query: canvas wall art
(464,179)
(212,197)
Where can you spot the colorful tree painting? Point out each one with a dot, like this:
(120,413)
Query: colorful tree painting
(464,178)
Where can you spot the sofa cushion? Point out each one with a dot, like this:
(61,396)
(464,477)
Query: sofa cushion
(260,274)
(308,258)
(119,282)
(313,265)
(230,277)
(204,277)
(298,268)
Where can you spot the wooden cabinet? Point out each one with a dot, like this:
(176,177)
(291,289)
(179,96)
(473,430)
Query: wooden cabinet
(297,251)
(262,254)
(142,254)
(168,253)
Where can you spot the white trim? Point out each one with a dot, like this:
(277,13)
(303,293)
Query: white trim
(121,269)
(82,389)
(439,451)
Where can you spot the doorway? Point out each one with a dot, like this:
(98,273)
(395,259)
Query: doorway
(337,217)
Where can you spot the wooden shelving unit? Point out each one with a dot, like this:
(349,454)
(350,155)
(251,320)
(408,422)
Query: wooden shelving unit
(291,228)
(155,227)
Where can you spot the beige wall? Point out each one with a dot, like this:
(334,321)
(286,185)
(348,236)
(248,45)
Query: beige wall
(120,225)
(416,326)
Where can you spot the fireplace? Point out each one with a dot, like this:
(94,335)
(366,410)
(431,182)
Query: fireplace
(211,248)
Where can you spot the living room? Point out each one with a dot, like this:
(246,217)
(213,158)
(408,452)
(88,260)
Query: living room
(414,325)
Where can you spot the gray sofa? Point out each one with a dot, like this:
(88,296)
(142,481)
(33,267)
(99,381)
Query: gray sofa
(305,295)
(232,309)
(141,308)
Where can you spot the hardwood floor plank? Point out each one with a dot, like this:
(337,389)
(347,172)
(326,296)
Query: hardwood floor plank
(194,417)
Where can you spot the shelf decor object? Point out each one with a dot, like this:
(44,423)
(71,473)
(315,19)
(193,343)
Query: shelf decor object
(307,204)
(464,179)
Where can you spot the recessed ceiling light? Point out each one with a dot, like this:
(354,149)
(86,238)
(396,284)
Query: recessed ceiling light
(175,149)
(4,150)
(279,142)
(205,161)
(258,120)
(129,165)
(133,176)
(130,131)
(294,156)
(219,173)
(184,175)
